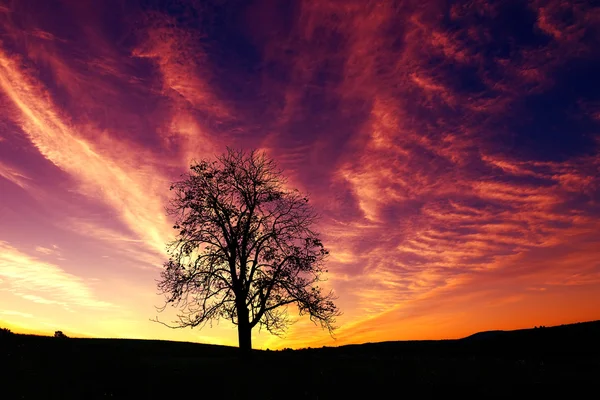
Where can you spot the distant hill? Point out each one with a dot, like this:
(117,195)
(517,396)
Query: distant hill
(585,329)
(569,339)
(486,334)
(43,345)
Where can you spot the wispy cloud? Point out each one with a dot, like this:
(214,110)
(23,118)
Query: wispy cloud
(44,283)
(13,175)
(49,251)
(129,188)
(14,313)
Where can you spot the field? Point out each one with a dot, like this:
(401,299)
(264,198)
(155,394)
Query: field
(532,363)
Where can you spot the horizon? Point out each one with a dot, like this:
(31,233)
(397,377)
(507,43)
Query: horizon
(48,334)
(451,149)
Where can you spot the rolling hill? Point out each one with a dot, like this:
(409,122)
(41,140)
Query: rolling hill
(492,364)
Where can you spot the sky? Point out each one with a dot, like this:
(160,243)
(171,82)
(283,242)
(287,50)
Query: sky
(451,148)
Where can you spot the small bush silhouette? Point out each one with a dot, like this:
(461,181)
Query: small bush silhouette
(59,334)
(5,332)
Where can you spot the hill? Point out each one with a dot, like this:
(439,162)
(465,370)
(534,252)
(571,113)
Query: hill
(490,364)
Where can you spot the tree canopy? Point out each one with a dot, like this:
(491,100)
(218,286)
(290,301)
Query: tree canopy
(245,248)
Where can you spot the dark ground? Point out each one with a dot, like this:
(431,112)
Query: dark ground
(533,363)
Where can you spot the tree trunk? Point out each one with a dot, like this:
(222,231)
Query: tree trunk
(244,331)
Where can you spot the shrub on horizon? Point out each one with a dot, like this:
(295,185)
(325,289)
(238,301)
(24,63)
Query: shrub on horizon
(5,332)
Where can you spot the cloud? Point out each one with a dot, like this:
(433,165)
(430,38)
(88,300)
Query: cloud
(442,202)
(187,80)
(182,63)
(116,178)
(121,245)
(14,175)
(54,250)
(44,283)
(14,313)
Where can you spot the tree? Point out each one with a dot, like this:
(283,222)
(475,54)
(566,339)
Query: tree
(245,249)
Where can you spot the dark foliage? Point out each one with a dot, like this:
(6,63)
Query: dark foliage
(5,332)
(245,248)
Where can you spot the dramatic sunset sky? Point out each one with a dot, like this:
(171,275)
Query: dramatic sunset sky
(453,151)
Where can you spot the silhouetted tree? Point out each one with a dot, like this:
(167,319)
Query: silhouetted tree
(245,249)
(60,334)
